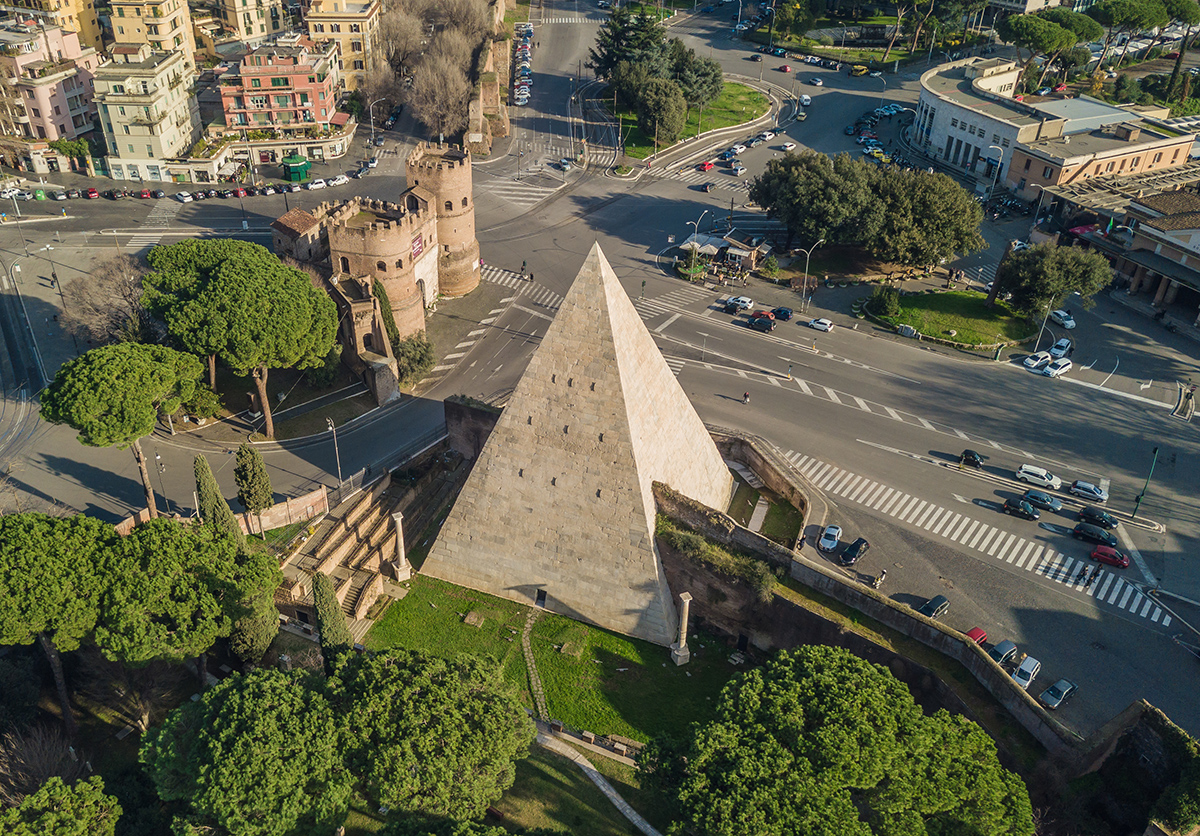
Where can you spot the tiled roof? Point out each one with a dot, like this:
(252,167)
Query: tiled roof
(1184,220)
(294,223)
(1171,203)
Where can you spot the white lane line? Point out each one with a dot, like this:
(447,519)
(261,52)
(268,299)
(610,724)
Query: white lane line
(877,502)
(925,423)
(994,444)
(861,403)
(966,537)
(833,396)
(670,320)
(965,521)
(921,520)
(865,488)
(803,387)
(895,501)
(908,518)
(893,414)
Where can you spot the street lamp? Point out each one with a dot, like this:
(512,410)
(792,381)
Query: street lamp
(695,243)
(807,256)
(999,165)
(1138,502)
(336,455)
(882,92)
(1049,305)
(371,113)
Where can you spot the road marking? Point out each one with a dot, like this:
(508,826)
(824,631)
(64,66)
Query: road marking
(774,382)
(926,424)
(985,533)
(803,387)
(487,321)
(861,404)
(912,515)
(670,320)
(962,498)
(1146,608)
(893,414)
(863,490)
(878,501)
(950,517)
(1024,555)
(895,501)
(833,396)
(994,444)
(969,532)
(965,522)
(456,356)
(477,333)
(1032,556)
(925,516)
(820,471)
(1104,587)
(962,435)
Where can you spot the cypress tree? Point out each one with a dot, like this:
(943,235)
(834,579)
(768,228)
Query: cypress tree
(214,510)
(253,483)
(331,622)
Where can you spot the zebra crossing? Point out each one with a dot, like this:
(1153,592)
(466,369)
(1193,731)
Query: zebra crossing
(536,293)
(720,178)
(571,20)
(156,223)
(536,184)
(1022,553)
(669,303)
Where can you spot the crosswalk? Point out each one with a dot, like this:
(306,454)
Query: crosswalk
(571,20)
(163,212)
(536,293)
(719,177)
(536,184)
(669,303)
(975,535)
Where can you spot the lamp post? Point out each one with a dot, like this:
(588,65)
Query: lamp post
(1137,503)
(695,244)
(807,256)
(1049,305)
(882,92)
(371,113)
(999,165)
(336,455)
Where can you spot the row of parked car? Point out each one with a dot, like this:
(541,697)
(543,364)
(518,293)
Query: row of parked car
(765,320)
(522,64)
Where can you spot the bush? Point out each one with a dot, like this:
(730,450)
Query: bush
(324,375)
(1179,806)
(770,267)
(414,357)
(825,40)
(885,301)
(756,573)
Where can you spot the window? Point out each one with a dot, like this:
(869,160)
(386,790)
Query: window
(954,123)
(354,27)
(120,11)
(381,266)
(356,46)
(1046,173)
(464,203)
(35,112)
(358,65)
(335,27)
(126,127)
(1004,142)
(996,138)
(345,264)
(1027,163)
(1135,162)
(120,30)
(1174,156)
(318,27)
(130,147)
(449,206)
(149,150)
(255,82)
(279,82)
(57,112)
(1157,159)
(399,264)
(971,130)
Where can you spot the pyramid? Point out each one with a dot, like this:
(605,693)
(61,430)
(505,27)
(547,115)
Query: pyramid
(558,509)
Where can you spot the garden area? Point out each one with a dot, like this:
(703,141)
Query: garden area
(959,316)
(736,104)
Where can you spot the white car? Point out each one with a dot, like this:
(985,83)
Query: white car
(340,180)
(821,324)
(8,193)
(1061,348)
(737,149)
(1088,491)
(805,101)
(744,303)
(739,170)
(766,136)
(1039,361)
(184,197)
(23,195)
(875,73)
(1027,671)
(374,161)
(789,146)
(1039,476)
(1063,318)
(316,184)
(1058,368)
(830,538)
(816,82)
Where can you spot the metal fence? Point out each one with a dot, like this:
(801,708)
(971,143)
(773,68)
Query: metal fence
(372,473)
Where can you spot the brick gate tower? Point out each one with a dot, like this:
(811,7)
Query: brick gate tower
(445,171)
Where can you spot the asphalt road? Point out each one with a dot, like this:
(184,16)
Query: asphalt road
(871,418)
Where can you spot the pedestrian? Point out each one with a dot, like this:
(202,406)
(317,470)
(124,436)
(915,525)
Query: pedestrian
(531,277)
(746,398)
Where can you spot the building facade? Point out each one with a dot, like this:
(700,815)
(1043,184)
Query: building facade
(445,171)
(147,112)
(289,87)
(165,25)
(254,20)
(75,15)
(354,26)
(46,82)
(1162,256)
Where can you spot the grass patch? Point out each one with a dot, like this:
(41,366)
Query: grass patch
(628,784)
(744,500)
(1007,732)
(783,523)
(965,313)
(279,537)
(552,792)
(430,619)
(736,104)
(619,685)
(758,573)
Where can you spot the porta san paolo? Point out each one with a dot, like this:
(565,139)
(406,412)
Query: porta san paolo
(419,247)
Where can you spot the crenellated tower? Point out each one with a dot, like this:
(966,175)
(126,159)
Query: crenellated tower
(445,172)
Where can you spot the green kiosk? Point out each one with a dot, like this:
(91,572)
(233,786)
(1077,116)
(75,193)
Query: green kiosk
(295,168)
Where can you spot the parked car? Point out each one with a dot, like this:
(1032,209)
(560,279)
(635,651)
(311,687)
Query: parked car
(789,146)
(240,192)
(115,194)
(1038,476)
(58,194)
(816,82)
(1003,652)
(1057,694)
(854,552)
(339,180)
(1027,671)
(74,193)
(1058,368)
(92,194)
(977,635)
(766,136)
(969,458)
(316,184)
(9,193)
(1111,556)
(268,190)
(184,197)
(1094,516)
(143,194)
(1094,534)
(744,303)
(1087,490)
(935,607)
(1043,500)
(226,194)
(1061,348)
(1021,508)
(782,314)
(1037,362)
(830,538)
(820,324)
(1063,318)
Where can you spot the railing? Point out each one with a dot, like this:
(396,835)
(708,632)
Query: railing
(372,473)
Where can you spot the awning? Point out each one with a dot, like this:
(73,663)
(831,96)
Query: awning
(229,169)
(340,119)
(738,251)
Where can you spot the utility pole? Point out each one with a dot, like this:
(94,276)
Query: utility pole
(1138,502)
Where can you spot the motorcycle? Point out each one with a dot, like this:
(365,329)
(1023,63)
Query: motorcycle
(878,582)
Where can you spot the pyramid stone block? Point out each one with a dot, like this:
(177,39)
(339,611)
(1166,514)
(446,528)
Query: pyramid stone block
(559,501)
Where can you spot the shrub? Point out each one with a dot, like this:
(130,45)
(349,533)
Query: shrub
(1179,806)
(885,301)
(825,40)
(770,267)
(756,573)
(205,403)
(324,374)
(414,357)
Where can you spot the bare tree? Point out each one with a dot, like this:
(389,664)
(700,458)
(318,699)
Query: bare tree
(106,306)
(402,38)
(30,757)
(138,696)
(381,83)
(471,17)
(439,95)
(454,46)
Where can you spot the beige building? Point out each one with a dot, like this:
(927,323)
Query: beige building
(76,15)
(166,25)
(146,111)
(253,20)
(354,25)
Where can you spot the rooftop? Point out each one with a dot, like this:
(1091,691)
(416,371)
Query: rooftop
(1094,143)
(294,222)
(341,7)
(952,84)
(1171,203)
(1113,195)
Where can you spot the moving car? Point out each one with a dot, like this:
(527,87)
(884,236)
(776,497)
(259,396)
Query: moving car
(763,315)
(786,68)
(805,101)
(1021,508)
(766,136)
(762,324)
(1004,652)
(1063,318)
(1111,556)
(816,82)
(830,538)
(1037,362)
(1027,671)
(1043,500)
(789,146)
(1038,476)
(1095,516)
(1058,368)
(1061,348)
(731,308)
(858,70)
(1057,694)
(820,324)
(158,194)
(935,607)
(1094,534)
(854,552)
(970,458)
(744,303)
(1087,490)
(707,165)
(737,149)
(374,161)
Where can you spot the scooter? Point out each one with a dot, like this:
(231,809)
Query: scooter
(878,582)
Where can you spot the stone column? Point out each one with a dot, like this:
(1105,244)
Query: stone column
(400,564)
(1172,292)
(1135,281)
(679,650)
(1163,284)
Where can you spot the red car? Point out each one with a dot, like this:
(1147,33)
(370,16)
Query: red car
(239,192)
(977,635)
(92,194)
(1111,556)
(705,166)
(1060,88)
(785,68)
(144,194)
(762,315)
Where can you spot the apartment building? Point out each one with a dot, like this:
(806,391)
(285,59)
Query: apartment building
(147,112)
(166,25)
(354,26)
(253,20)
(289,86)
(76,15)
(46,82)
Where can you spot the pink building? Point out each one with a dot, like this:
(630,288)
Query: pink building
(45,82)
(288,87)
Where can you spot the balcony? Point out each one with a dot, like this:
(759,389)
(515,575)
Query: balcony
(151,120)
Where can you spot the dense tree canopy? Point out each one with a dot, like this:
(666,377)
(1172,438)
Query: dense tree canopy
(214,510)
(661,110)
(626,36)
(60,810)
(237,301)
(823,743)
(1041,277)
(1125,17)
(331,622)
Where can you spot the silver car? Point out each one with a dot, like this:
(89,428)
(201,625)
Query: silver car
(830,538)
(1057,694)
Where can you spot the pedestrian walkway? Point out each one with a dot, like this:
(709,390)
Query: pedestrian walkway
(588,19)
(552,743)
(721,178)
(535,184)
(536,293)
(1073,573)
(671,302)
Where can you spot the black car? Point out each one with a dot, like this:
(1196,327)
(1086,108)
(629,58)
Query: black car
(212,193)
(935,607)
(1021,508)
(763,323)
(251,191)
(1043,500)
(854,552)
(226,193)
(115,194)
(1094,534)
(731,308)
(1094,516)
(158,193)
(970,458)
(359,173)
(756,57)
(782,314)
(73,193)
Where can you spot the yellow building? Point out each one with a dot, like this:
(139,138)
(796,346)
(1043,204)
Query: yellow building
(76,15)
(166,25)
(254,20)
(354,26)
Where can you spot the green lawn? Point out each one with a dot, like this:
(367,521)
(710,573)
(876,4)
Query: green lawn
(744,500)
(628,784)
(936,314)
(783,523)
(736,104)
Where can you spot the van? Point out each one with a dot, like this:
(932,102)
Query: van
(805,101)
(1027,671)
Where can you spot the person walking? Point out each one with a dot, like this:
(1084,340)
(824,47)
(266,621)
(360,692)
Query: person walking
(746,398)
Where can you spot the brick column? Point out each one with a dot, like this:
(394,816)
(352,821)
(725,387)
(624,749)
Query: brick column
(679,650)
